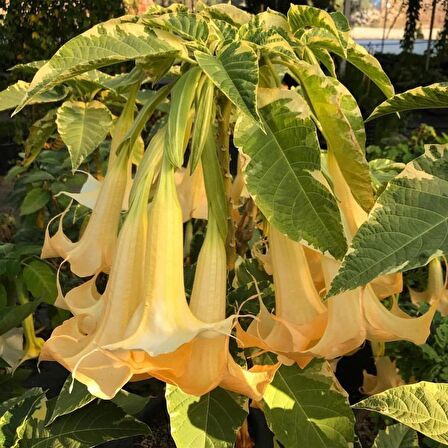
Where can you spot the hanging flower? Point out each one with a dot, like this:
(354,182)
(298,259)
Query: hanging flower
(205,362)
(95,249)
(386,377)
(303,326)
(145,309)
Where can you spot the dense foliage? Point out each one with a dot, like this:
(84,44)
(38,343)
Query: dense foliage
(196,221)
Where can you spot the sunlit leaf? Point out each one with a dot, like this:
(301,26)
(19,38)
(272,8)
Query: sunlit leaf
(14,413)
(430,97)
(422,406)
(13,95)
(280,177)
(407,227)
(342,127)
(235,72)
(102,45)
(82,127)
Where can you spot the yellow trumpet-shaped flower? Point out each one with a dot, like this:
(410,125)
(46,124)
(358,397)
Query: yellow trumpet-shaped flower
(386,377)
(300,316)
(163,321)
(95,249)
(303,326)
(205,362)
(145,309)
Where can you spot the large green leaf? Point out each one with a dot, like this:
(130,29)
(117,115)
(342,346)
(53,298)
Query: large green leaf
(304,408)
(14,413)
(407,227)
(14,94)
(302,17)
(40,280)
(82,127)
(95,423)
(188,26)
(280,176)
(182,97)
(339,117)
(73,396)
(318,39)
(104,44)
(34,200)
(422,406)
(396,436)
(235,72)
(210,421)
(430,97)
(358,56)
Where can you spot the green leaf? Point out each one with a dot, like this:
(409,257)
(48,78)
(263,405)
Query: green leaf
(182,97)
(340,21)
(383,171)
(82,127)
(40,132)
(35,199)
(280,176)
(202,123)
(130,403)
(95,423)
(11,317)
(188,26)
(396,436)
(235,72)
(14,414)
(430,97)
(40,280)
(14,94)
(358,56)
(210,421)
(70,400)
(104,44)
(407,227)
(303,408)
(341,122)
(302,17)
(422,406)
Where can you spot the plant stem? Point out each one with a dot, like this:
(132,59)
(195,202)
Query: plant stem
(224,113)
